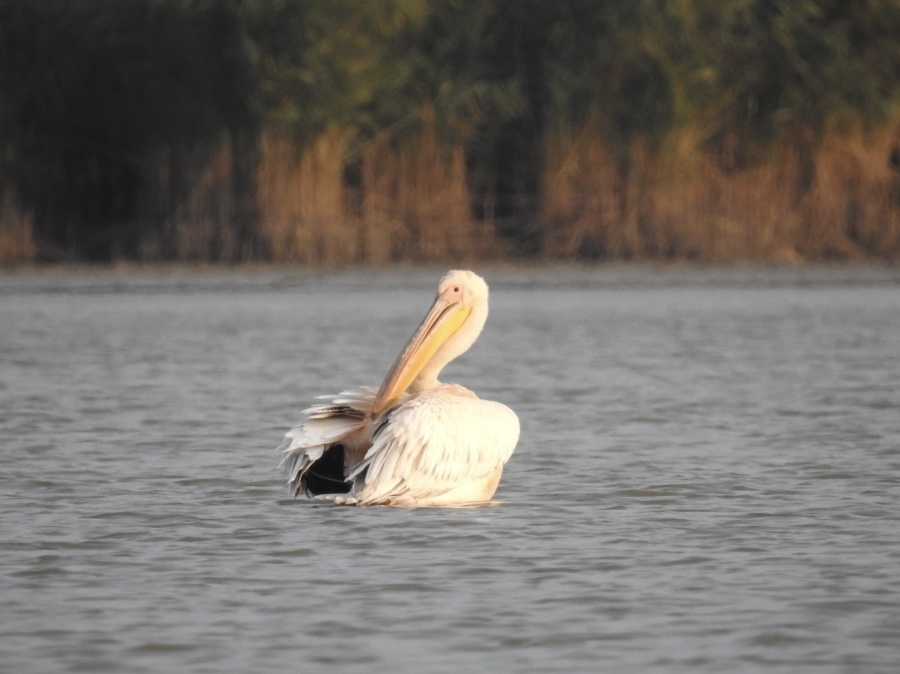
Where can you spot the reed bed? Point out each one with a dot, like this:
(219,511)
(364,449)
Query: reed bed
(676,203)
(16,232)
(406,199)
(301,200)
(415,202)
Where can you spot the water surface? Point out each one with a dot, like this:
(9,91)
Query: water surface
(707,479)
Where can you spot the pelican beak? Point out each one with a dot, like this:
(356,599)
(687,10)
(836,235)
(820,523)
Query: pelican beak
(443,319)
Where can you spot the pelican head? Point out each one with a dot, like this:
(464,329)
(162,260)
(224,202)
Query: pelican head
(451,326)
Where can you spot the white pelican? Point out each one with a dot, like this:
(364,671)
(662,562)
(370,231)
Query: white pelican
(416,441)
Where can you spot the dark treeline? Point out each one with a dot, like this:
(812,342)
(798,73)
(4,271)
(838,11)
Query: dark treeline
(341,131)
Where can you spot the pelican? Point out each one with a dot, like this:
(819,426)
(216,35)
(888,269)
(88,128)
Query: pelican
(414,441)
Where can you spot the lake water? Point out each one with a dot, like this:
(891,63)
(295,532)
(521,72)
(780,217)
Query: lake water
(708,478)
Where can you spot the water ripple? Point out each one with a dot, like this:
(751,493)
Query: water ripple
(706,481)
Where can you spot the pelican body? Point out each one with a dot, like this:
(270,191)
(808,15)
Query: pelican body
(414,441)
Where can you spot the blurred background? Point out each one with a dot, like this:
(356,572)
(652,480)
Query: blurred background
(342,131)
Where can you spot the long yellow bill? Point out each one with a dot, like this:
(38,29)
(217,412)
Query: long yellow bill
(443,319)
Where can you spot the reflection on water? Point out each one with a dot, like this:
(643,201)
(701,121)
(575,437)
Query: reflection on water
(707,478)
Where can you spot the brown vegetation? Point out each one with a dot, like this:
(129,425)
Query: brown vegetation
(407,200)
(394,200)
(681,204)
(16,241)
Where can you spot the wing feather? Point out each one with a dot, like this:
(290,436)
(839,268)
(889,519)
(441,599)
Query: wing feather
(336,420)
(432,443)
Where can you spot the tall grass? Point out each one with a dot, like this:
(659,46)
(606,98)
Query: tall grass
(16,232)
(200,227)
(405,198)
(853,208)
(303,213)
(678,203)
(415,201)
(397,199)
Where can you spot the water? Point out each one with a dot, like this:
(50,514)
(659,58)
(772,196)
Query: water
(707,479)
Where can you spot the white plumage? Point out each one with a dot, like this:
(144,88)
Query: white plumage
(415,441)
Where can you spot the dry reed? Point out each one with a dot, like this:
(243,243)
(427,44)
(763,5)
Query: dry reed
(406,199)
(409,203)
(301,199)
(416,202)
(677,203)
(16,232)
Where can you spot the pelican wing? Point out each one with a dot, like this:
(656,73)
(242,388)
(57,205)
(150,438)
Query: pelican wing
(437,447)
(341,418)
